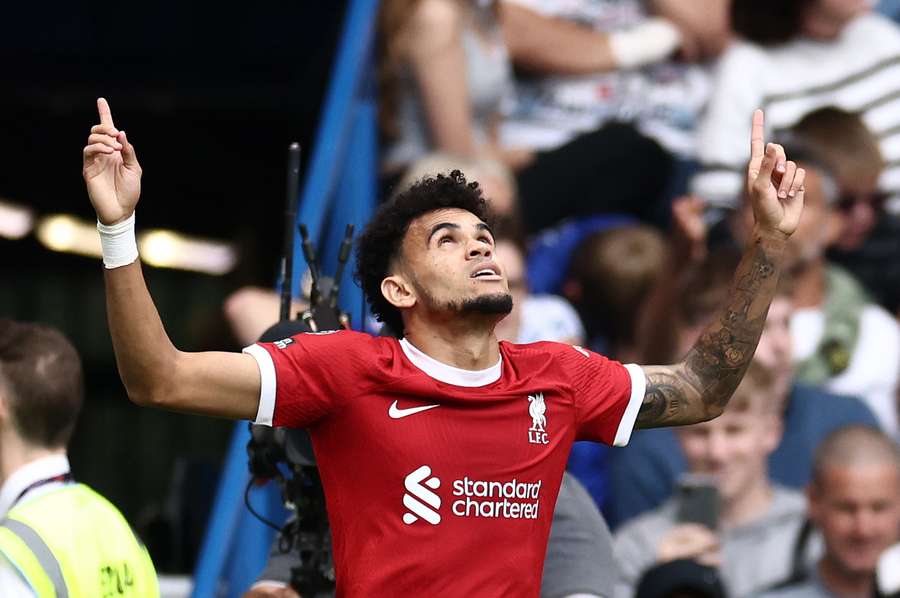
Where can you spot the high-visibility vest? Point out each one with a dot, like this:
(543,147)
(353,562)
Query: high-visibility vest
(73,543)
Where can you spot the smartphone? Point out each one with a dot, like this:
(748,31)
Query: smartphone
(698,500)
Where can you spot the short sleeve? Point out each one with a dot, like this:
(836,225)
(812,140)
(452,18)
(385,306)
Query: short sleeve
(304,377)
(607,395)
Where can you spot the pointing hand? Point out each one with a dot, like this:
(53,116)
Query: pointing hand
(775,185)
(111,170)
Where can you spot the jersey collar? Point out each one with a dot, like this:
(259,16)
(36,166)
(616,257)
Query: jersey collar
(447,373)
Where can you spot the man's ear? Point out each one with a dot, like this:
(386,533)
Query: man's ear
(398,292)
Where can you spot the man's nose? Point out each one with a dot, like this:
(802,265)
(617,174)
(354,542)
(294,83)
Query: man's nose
(479,249)
(865,523)
(716,448)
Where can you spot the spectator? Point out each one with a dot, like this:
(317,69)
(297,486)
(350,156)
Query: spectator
(591,62)
(853,157)
(443,71)
(869,243)
(842,341)
(598,81)
(57,537)
(683,578)
(796,56)
(758,520)
(643,475)
(854,501)
(610,274)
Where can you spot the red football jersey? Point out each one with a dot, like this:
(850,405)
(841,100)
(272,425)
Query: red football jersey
(441,481)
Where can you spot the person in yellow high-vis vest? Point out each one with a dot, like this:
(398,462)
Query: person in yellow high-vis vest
(58,538)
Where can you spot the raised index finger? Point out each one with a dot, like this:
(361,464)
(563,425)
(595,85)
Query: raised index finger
(757,146)
(104,111)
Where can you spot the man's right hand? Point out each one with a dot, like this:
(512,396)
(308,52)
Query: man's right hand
(111,170)
(690,541)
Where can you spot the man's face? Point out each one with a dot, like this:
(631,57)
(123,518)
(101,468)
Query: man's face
(857,507)
(733,449)
(448,265)
(775,349)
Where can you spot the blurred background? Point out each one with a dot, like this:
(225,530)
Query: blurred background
(212,95)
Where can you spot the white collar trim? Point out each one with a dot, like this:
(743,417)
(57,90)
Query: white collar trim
(447,373)
(39,469)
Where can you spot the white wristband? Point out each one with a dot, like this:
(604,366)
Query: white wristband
(118,243)
(651,41)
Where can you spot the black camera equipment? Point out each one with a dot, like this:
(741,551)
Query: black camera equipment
(271,450)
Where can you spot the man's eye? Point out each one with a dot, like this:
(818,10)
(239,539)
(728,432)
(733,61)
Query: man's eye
(445,240)
(487,240)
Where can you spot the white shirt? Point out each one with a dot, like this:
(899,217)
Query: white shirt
(548,318)
(874,369)
(859,71)
(11,581)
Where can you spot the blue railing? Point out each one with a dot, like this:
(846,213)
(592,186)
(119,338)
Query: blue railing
(340,188)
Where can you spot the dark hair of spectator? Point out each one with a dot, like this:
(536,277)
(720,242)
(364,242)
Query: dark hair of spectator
(769,22)
(380,243)
(41,382)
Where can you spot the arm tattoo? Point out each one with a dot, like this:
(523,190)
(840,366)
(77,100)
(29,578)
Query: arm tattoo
(699,388)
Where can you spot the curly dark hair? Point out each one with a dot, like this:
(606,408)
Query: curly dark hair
(769,22)
(379,244)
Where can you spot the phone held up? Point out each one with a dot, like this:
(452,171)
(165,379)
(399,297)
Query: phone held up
(698,500)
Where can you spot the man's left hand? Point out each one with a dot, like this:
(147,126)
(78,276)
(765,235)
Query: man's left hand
(774,184)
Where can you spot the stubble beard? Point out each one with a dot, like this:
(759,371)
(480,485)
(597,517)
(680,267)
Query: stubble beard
(496,304)
(493,304)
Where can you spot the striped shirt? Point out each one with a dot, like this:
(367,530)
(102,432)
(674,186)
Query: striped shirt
(859,71)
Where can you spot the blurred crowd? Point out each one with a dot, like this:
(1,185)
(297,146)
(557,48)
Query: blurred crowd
(610,138)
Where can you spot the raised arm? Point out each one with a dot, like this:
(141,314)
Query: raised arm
(153,370)
(552,45)
(434,47)
(698,388)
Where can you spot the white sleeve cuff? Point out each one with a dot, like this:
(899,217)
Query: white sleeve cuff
(266,411)
(638,388)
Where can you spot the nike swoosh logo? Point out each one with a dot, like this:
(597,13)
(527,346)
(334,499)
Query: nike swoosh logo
(397,413)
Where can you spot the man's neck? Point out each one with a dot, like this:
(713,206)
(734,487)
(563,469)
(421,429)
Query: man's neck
(841,583)
(15,454)
(465,347)
(809,285)
(748,506)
